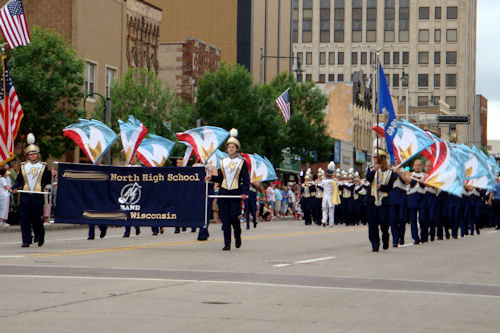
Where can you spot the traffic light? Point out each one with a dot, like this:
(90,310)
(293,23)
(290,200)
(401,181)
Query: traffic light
(453,119)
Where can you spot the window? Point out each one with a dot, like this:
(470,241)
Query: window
(423,58)
(406,58)
(322,58)
(340,77)
(321,78)
(451,101)
(423,80)
(357,21)
(299,77)
(422,100)
(451,57)
(340,58)
(338,25)
(404,20)
(307,17)
(300,55)
(437,35)
(437,13)
(331,58)
(395,80)
(110,79)
(363,58)
(324,23)
(90,74)
(371,21)
(451,80)
(395,58)
(308,77)
(451,35)
(437,80)
(389,16)
(423,13)
(331,77)
(451,13)
(437,57)
(388,79)
(404,83)
(309,57)
(354,58)
(295,21)
(423,35)
(387,58)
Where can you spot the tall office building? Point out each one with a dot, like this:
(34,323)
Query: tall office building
(432,42)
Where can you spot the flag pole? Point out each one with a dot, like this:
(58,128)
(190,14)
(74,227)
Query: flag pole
(5,113)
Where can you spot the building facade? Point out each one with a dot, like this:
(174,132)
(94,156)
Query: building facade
(183,64)
(479,122)
(239,28)
(433,43)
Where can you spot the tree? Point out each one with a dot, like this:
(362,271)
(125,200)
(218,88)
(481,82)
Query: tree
(48,78)
(227,98)
(140,93)
(305,132)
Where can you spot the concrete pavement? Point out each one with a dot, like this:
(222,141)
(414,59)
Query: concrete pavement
(287,277)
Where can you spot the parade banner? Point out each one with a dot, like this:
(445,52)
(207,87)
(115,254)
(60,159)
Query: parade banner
(140,196)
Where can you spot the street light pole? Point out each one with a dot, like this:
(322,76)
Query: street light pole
(297,70)
(107,118)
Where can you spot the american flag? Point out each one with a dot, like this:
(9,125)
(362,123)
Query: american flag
(13,24)
(11,114)
(283,104)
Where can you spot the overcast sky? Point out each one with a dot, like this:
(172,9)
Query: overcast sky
(488,65)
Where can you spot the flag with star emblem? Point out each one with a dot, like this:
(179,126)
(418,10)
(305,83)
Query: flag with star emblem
(11,115)
(260,168)
(204,140)
(283,104)
(13,24)
(93,137)
(448,173)
(385,106)
(132,132)
(409,141)
(154,150)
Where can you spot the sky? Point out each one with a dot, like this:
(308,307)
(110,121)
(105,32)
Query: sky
(487,63)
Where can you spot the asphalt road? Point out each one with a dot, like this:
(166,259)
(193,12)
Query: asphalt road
(287,277)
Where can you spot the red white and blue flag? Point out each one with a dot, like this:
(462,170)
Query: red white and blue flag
(92,136)
(132,132)
(204,140)
(154,150)
(11,115)
(13,24)
(283,104)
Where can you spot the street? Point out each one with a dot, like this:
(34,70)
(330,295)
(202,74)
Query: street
(286,277)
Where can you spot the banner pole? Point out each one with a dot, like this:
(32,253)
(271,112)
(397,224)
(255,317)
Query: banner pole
(206,203)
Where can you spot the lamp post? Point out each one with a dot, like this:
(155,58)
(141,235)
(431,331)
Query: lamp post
(107,118)
(297,70)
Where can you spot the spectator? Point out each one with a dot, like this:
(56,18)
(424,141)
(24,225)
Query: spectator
(277,204)
(271,197)
(4,197)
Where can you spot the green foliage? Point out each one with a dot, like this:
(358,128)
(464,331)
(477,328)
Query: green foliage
(227,98)
(140,93)
(48,79)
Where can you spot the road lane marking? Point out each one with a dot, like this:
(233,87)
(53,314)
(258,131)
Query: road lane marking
(304,261)
(249,283)
(188,242)
(13,256)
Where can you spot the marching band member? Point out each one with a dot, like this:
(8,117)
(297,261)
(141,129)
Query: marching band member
(34,176)
(234,179)
(429,205)
(377,201)
(414,203)
(398,198)
(331,196)
(307,191)
(318,198)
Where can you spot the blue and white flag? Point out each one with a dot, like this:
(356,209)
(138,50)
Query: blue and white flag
(132,132)
(204,140)
(448,173)
(409,141)
(154,150)
(484,179)
(385,106)
(93,137)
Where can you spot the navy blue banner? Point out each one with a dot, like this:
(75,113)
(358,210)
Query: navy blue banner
(136,196)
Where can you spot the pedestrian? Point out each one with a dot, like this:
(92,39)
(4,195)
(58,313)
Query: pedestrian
(277,203)
(234,179)
(4,198)
(34,176)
